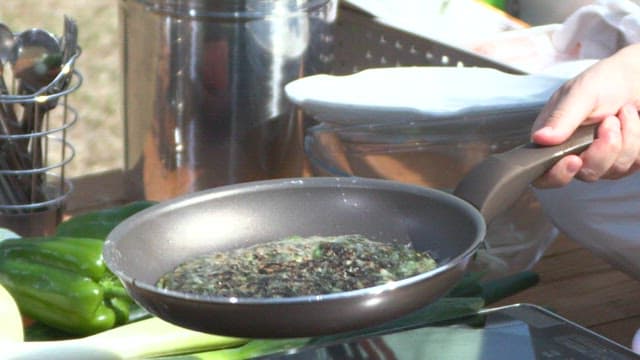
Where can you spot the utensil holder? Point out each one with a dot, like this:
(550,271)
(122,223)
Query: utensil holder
(33,187)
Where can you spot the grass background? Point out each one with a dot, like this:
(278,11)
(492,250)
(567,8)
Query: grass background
(98,134)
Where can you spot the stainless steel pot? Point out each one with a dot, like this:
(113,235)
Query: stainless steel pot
(203,89)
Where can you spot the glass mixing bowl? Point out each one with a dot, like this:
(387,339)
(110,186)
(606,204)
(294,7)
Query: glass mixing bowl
(437,153)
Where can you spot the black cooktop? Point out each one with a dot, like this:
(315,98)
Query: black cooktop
(520,332)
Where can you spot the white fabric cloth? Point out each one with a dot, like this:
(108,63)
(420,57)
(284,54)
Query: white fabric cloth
(598,30)
(603,216)
(589,33)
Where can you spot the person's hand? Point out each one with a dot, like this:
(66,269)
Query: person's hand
(607,93)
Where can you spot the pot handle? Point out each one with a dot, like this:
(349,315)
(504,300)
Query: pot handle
(498,181)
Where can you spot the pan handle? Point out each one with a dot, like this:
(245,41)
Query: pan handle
(498,181)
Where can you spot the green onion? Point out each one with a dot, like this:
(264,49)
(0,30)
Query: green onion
(253,348)
(142,339)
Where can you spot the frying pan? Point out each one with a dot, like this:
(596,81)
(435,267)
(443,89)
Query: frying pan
(450,226)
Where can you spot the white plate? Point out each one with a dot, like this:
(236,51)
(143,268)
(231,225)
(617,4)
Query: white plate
(417,93)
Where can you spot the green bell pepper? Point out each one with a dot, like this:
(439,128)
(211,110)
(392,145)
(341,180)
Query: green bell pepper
(64,283)
(98,224)
(78,255)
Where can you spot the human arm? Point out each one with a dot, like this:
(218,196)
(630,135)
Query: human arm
(607,93)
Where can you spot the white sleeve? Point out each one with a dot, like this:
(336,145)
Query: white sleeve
(603,216)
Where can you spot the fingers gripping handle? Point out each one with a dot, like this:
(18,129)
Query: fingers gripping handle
(497,182)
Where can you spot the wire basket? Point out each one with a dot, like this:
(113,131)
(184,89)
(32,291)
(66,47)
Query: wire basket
(34,151)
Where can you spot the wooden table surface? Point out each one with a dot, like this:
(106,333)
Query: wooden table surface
(573,282)
(584,289)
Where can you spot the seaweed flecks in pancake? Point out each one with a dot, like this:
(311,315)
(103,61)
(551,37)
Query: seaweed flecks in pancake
(298,266)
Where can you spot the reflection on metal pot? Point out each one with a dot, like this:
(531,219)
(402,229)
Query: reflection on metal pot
(203,89)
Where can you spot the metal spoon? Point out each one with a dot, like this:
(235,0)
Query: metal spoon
(6,49)
(7,114)
(12,188)
(36,61)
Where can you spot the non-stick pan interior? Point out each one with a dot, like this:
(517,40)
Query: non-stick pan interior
(156,240)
